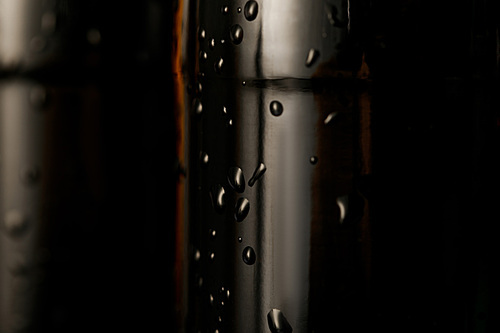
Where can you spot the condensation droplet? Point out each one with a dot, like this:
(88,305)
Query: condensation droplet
(197,255)
(242,208)
(239,10)
(224,10)
(224,110)
(230,122)
(199,88)
(343,203)
(201,34)
(219,64)
(249,255)
(244,83)
(15,222)
(222,41)
(236,179)
(211,45)
(204,158)
(312,56)
(276,108)
(213,233)
(236,34)
(200,282)
(197,107)
(251,10)
(277,322)
(313,160)
(211,299)
(212,256)
(218,195)
(330,117)
(240,239)
(258,172)
(220,320)
(203,56)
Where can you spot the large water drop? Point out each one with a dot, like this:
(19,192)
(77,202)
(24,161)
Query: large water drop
(249,255)
(277,322)
(276,108)
(236,179)
(236,34)
(258,172)
(242,208)
(312,56)
(251,10)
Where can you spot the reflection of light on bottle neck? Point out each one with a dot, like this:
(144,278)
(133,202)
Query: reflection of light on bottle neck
(342,203)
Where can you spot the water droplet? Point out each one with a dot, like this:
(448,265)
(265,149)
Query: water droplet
(94,36)
(331,13)
(29,175)
(258,172)
(222,303)
(203,56)
(222,41)
(213,234)
(200,282)
(220,320)
(236,179)
(239,10)
(313,160)
(218,198)
(343,203)
(197,107)
(201,34)
(277,322)
(312,56)
(211,299)
(204,158)
(249,255)
(199,88)
(230,122)
(251,10)
(224,110)
(244,83)
(219,64)
(212,256)
(211,45)
(240,239)
(242,208)
(330,117)
(15,222)
(236,34)
(224,10)
(197,255)
(276,108)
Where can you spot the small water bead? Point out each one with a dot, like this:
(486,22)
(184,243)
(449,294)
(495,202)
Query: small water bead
(240,239)
(199,88)
(213,234)
(220,320)
(312,56)
(197,255)
(251,10)
(197,107)
(249,256)
(258,172)
(224,110)
(276,108)
(230,122)
(201,34)
(244,83)
(239,10)
(242,208)
(218,195)
(313,160)
(204,158)
(330,117)
(236,179)
(203,56)
(219,64)
(236,34)
(211,45)
(211,299)
(277,322)
(212,256)
(222,41)
(224,10)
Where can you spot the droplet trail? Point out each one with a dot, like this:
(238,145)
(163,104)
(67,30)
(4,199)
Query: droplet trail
(242,208)
(258,172)
(277,322)
(236,179)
